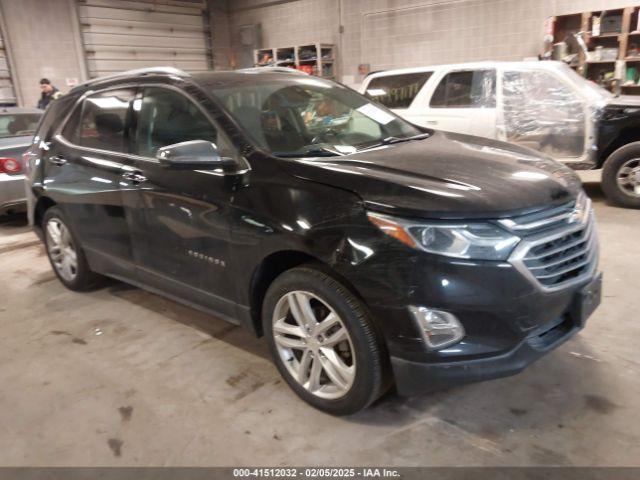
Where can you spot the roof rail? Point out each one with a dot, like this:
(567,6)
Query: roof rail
(138,72)
(272,70)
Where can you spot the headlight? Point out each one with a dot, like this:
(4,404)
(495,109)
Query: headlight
(479,241)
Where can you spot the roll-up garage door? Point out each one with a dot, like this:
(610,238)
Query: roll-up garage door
(122,35)
(7,93)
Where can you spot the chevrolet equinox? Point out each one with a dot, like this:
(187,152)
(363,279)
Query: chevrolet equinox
(366,250)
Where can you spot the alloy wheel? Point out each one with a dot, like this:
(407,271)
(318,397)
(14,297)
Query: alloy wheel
(314,344)
(628,177)
(61,249)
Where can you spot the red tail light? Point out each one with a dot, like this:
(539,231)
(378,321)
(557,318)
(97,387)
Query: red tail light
(11,166)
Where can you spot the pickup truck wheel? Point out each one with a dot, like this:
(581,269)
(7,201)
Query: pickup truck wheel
(621,176)
(322,341)
(65,253)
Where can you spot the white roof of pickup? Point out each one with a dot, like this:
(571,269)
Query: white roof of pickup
(550,65)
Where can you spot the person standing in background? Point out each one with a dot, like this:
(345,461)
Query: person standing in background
(49,92)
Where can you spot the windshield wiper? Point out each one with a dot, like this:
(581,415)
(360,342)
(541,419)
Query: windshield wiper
(390,140)
(330,152)
(314,152)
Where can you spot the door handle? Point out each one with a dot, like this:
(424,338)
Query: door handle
(432,122)
(134,177)
(58,160)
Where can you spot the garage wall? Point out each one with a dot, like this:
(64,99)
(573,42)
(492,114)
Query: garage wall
(7,92)
(40,50)
(220,34)
(306,21)
(399,33)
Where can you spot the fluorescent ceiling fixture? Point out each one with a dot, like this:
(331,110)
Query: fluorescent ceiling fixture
(109,102)
(303,224)
(534,176)
(376,92)
(313,82)
(345,148)
(375,113)
(101,180)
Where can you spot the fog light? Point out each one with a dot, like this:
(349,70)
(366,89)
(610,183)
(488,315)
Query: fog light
(439,329)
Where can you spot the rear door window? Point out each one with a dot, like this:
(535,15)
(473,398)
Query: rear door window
(466,89)
(397,91)
(19,124)
(103,121)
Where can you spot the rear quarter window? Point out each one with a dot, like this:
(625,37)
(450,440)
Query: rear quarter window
(397,91)
(18,124)
(54,115)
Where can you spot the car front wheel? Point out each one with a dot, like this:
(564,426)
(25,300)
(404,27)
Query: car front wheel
(621,176)
(323,342)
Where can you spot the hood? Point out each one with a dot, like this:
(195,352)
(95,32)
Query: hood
(625,101)
(447,176)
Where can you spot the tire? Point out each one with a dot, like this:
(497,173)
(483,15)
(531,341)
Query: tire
(619,164)
(340,383)
(76,275)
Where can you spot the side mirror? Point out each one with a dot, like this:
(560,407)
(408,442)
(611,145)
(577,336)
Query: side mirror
(194,154)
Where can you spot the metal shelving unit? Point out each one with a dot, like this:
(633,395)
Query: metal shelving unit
(317,59)
(618,69)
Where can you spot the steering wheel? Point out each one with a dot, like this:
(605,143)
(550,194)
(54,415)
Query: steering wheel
(329,135)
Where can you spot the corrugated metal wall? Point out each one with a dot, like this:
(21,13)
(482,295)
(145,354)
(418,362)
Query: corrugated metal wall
(120,35)
(7,93)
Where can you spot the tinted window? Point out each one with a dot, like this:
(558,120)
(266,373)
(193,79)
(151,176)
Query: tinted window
(166,117)
(71,129)
(466,89)
(19,124)
(52,116)
(397,91)
(104,121)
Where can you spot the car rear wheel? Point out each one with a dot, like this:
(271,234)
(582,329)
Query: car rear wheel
(621,176)
(65,253)
(323,342)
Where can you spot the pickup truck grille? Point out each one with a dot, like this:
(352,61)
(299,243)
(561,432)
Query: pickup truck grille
(559,247)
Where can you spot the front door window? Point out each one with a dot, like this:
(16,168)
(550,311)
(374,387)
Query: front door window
(167,117)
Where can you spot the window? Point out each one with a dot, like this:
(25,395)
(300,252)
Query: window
(397,91)
(166,117)
(103,123)
(296,115)
(467,89)
(19,124)
(543,113)
(71,130)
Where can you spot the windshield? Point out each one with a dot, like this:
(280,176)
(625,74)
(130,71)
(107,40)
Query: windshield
(18,125)
(297,116)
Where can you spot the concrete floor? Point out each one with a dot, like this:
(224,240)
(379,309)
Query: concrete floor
(122,377)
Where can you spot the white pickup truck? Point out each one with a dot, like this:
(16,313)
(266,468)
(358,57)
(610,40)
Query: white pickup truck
(542,105)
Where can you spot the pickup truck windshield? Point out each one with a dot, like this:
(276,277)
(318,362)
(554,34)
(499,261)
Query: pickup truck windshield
(306,116)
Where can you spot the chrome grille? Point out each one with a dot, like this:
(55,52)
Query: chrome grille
(559,247)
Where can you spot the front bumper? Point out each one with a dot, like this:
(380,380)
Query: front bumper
(509,320)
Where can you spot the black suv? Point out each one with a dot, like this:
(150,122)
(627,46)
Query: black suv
(366,250)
